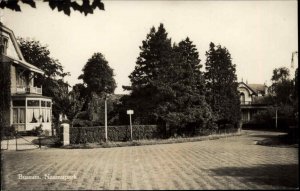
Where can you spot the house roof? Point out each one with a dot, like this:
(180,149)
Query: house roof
(5,58)
(29,95)
(248,87)
(257,87)
(21,61)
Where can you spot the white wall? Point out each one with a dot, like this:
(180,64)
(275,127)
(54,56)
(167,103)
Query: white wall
(243,89)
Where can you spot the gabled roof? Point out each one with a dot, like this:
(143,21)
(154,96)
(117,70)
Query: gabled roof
(258,87)
(21,61)
(255,88)
(248,87)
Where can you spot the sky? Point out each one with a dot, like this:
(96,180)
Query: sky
(260,35)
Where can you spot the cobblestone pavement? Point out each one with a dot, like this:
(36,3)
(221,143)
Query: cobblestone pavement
(227,163)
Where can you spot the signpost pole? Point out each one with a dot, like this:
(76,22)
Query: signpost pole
(130,127)
(130,112)
(105,105)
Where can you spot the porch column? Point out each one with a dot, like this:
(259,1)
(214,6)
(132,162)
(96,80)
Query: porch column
(248,115)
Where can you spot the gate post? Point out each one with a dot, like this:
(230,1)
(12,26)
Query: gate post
(240,125)
(65,133)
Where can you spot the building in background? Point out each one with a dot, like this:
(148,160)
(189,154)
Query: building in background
(250,97)
(28,109)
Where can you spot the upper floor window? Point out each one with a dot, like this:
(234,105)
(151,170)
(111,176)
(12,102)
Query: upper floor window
(21,78)
(3,44)
(242,98)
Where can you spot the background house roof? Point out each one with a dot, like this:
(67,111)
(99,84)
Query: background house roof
(258,87)
(251,91)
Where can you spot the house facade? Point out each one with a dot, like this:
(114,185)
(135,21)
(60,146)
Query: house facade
(28,107)
(250,96)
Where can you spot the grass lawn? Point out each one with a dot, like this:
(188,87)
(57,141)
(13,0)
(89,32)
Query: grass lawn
(54,141)
(110,144)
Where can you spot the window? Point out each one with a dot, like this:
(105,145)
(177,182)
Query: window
(242,98)
(33,115)
(18,102)
(43,103)
(21,79)
(48,103)
(33,103)
(19,115)
(3,44)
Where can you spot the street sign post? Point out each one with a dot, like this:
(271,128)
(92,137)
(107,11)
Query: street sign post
(130,112)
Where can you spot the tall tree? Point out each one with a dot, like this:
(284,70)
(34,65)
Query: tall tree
(98,81)
(282,86)
(98,76)
(185,83)
(52,80)
(86,6)
(222,94)
(167,84)
(149,72)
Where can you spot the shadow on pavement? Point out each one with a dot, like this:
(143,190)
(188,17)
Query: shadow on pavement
(285,175)
(264,136)
(279,141)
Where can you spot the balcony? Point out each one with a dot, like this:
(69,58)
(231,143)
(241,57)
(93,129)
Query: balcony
(29,90)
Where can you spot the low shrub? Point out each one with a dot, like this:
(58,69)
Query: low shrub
(7,132)
(82,123)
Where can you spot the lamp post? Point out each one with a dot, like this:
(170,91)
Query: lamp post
(276,116)
(105,117)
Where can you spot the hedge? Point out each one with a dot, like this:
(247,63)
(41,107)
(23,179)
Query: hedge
(115,133)
(81,135)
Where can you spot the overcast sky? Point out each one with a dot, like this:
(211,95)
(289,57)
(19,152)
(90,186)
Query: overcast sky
(260,35)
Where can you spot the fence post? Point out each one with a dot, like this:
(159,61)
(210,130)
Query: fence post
(66,133)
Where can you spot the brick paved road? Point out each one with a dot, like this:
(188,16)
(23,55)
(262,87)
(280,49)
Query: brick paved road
(228,163)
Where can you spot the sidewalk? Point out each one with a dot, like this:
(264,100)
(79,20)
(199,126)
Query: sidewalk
(23,143)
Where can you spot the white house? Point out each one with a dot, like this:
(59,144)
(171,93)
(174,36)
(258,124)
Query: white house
(28,107)
(250,94)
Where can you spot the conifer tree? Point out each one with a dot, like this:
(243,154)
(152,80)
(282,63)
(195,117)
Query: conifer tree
(150,71)
(186,82)
(167,84)
(221,83)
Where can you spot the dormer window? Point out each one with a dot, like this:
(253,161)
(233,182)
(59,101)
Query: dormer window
(3,45)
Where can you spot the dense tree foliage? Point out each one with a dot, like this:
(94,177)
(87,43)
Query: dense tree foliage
(167,84)
(98,83)
(222,93)
(149,75)
(97,76)
(74,103)
(282,86)
(52,79)
(186,85)
(84,6)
